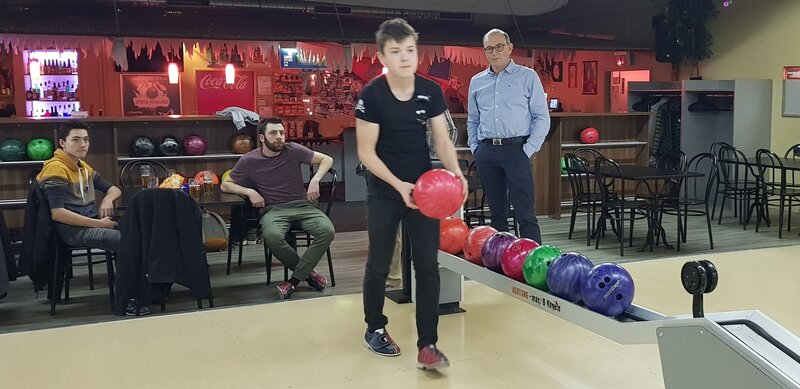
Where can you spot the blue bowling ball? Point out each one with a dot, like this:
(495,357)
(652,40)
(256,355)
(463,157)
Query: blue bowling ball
(566,275)
(608,289)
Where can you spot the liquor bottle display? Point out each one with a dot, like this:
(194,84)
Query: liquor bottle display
(51,83)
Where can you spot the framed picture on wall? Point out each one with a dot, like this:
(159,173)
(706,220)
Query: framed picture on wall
(572,75)
(558,72)
(149,94)
(589,77)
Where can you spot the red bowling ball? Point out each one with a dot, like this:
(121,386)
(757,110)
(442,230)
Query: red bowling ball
(438,193)
(453,233)
(590,135)
(514,257)
(474,243)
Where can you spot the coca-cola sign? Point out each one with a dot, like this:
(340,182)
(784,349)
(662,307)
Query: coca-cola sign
(213,94)
(213,81)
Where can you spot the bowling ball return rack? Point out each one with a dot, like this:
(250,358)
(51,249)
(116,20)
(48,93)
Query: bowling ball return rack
(740,349)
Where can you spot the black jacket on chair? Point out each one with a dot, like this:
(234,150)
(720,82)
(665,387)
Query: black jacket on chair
(162,243)
(38,249)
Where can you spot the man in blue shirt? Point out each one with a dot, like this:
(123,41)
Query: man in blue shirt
(507,123)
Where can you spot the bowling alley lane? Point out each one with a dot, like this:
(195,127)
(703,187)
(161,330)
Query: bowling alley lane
(500,342)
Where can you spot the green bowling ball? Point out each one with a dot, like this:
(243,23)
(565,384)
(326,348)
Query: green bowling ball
(12,150)
(536,263)
(40,149)
(563,165)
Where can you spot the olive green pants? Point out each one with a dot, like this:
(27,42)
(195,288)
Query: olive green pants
(301,215)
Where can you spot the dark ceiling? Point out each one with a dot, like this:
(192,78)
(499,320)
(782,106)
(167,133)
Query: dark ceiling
(581,24)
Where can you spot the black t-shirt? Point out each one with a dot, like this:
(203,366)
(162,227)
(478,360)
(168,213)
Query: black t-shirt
(402,142)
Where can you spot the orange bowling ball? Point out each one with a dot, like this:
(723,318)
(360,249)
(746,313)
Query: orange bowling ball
(474,243)
(452,235)
(241,143)
(199,177)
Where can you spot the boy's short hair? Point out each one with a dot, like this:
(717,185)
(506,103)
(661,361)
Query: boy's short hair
(64,129)
(396,29)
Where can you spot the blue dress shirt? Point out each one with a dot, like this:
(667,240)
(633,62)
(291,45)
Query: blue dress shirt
(509,104)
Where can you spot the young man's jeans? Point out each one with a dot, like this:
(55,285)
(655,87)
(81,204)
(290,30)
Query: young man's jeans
(103,238)
(383,219)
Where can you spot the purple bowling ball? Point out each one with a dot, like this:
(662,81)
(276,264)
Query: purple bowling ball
(566,274)
(194,145)
(608,289)
(493,249)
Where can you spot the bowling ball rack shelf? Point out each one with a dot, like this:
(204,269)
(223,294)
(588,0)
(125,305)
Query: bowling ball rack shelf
(719,350)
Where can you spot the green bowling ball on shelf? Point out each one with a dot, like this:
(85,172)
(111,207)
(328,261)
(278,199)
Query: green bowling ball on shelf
(534,270)
(12,150)
(563,165)
(40,149)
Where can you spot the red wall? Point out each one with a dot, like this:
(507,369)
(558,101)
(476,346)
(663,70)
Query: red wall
(99,86)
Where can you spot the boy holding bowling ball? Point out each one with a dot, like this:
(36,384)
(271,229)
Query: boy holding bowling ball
(392,114)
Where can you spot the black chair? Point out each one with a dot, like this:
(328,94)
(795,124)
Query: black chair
(63,257)
(716,147)
(695,197)
(64,254)
(774,194)
(476,212)
(243,218)
(792,153)
(303,238)
(130,173)
(616,207)
(675,160)
(672,161)
(585,197)
(738,182)
(589,154)
(715,150)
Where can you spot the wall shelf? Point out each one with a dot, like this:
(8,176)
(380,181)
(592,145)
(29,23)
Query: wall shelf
(603,144)
(180,157)
(21,163)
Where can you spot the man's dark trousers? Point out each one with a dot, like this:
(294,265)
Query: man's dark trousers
(503,171)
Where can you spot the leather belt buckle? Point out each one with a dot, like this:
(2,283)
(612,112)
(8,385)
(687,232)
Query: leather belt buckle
(497,142)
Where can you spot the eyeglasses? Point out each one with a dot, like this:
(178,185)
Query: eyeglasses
(499,48)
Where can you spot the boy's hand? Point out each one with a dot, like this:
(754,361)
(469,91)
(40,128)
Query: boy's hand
(106,208)
(106,222)
(465,190)
(405,189)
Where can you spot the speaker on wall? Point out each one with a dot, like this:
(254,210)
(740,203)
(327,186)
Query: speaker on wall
(666,48)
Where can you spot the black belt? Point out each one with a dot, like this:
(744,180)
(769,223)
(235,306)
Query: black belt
(505,141)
